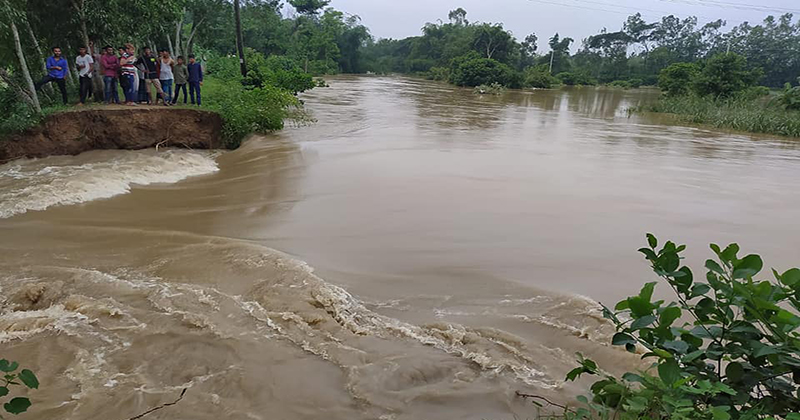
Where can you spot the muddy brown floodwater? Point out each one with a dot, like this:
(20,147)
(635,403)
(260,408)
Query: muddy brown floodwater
(459,247)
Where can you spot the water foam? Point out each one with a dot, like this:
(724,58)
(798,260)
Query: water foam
(38,184)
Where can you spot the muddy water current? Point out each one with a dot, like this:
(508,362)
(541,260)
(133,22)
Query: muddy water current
(419,252)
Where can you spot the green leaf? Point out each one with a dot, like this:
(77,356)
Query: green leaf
(632,377)
(7,366)
(646,293)
(649,254)
(714,266)
(3,391)
(734,371)
(643,322)
(748,267)
(651,240)
(700,289)
(17,405)
(791,278)
(640,307)
(669,315)
(729,254)
(721,413)
(693,356)
(793,416)
(677,346)
(669,372)
(29,379)
(621,306)
(621,339)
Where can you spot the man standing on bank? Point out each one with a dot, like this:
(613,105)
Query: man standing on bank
(85,64)
(110,63)
(56,71)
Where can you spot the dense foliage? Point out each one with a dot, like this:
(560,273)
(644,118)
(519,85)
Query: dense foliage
(637,53)
(727,348)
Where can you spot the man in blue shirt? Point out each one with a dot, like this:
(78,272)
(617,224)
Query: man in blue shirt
(56,71)
(195,79)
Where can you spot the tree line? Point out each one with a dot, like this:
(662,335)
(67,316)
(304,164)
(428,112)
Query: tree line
(637,52)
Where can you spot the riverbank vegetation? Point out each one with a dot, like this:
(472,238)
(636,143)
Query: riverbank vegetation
(282,54)
(726,348)
(632,56)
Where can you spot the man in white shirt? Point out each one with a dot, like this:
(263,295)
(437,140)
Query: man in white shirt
(85,64)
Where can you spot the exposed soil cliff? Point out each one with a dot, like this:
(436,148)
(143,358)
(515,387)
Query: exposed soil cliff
(74,132)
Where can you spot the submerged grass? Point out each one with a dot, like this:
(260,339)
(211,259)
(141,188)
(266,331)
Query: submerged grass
(744,114)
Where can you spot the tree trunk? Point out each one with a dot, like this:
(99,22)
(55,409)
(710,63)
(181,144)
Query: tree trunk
(36,45)
(22,93)
(190,41)
(178,31)
(239,39)
(24,66)
(171,48)
(97,84)
(97,77)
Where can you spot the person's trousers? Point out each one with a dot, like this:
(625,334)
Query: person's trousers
(157,84)
(130,88)
(62,86)
(85,88)
(178,88)
(166,85)
(111,93)
(194,91)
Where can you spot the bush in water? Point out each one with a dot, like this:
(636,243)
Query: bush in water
(539,77)
(472,70)
(247,110)
(576,79)
(736,357)
(24,377)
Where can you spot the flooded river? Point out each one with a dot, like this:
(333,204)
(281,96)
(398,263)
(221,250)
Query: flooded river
(419,252)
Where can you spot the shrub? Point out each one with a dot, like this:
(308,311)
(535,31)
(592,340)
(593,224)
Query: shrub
(247,110)
(737,355)
(576,79)
(724,75)
(440,74)
(636,83)
(620,84)
(790,98)
(677,78)
(278,71)
(539,77)
(472,70)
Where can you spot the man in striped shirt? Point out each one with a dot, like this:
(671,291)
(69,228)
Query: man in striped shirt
(128,66)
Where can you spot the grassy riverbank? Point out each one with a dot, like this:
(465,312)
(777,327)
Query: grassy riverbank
(740,114)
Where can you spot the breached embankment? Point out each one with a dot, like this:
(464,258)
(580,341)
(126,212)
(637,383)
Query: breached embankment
(78,131)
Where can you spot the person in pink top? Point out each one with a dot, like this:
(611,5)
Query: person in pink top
(110,64)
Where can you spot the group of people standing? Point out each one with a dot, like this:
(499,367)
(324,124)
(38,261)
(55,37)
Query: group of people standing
(135,74)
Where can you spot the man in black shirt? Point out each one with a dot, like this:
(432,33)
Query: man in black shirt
(151,72)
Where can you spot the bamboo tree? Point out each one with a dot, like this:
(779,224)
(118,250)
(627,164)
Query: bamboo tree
(30,96)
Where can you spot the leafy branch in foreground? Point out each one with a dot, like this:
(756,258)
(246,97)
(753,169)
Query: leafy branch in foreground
(25,377)
(735,356)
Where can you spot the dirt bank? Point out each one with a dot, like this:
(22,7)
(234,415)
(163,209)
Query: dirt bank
(74,132)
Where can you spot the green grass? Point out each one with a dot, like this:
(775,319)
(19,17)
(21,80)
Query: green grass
(754,116)
(243,111)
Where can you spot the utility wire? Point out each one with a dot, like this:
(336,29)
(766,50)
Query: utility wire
(740,6)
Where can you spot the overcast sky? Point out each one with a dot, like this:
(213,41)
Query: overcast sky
(574,18)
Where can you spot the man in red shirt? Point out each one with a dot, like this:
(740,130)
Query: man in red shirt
(110,65)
